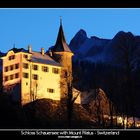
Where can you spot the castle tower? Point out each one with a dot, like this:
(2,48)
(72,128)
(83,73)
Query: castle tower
(61,51)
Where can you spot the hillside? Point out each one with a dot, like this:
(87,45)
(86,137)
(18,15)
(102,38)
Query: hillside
(43,113)
(47,113)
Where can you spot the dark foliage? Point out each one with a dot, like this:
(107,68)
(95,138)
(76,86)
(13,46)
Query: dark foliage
(43,113)
(115,68)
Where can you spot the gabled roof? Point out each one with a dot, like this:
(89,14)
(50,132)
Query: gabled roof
(16,50)
(36,56)
(61,45)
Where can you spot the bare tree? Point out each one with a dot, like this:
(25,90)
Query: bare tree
(67,96)
(34,90)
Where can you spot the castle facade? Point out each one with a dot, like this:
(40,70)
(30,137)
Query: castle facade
(28,75)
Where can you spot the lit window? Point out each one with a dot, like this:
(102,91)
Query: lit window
(6,78)
(25,65)
(25,56)
(11,77)
(16,75)
(6,69)
(50,90)
(35,76)
(16,66)
(11,57)
(25,75)
(11,67)
(35,67)
(45,69)
(55,70)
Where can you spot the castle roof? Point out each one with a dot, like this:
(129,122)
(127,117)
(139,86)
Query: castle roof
(44,59)
(61,45)
(36,57)
(16,50)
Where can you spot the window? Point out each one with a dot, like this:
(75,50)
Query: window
(11,77)
(25,56)
(11,57)
(6,78)
(45,69)
(16,75)
(11,67)
(35,67)
(25,65)
(55,70)
(16,66)
(25,75)
(35,76)
(6,69)
(50,90)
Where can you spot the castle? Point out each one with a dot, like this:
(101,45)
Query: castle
(28,75)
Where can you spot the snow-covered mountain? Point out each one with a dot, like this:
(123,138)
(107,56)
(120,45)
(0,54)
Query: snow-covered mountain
(110,64)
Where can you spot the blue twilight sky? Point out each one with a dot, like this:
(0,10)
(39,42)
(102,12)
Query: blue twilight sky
(39,27)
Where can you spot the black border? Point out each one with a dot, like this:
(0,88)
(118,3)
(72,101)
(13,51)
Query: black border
(69,4)
(124,132)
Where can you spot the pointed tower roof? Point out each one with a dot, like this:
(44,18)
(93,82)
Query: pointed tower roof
(61,45)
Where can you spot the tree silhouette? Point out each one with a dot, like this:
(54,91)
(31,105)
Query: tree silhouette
(67,97)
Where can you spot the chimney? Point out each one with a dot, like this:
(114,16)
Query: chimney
(42,51)
(50,52)
(29,48)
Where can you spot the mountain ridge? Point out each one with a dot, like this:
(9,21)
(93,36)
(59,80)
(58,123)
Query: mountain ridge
(110,64)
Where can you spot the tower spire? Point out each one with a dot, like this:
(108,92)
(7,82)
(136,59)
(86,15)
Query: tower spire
(61,45)
(60,20)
